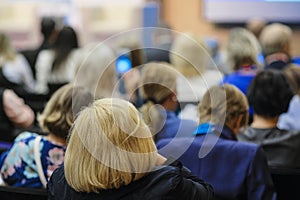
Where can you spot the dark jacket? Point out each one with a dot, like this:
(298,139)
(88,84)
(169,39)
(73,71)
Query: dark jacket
(282,147)
(167,182)
(277,61)
(236,170)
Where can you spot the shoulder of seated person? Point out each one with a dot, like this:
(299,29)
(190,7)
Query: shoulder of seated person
(25,135)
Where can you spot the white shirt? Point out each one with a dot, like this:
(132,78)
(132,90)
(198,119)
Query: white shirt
(19,71)
(65,73)
(192,89)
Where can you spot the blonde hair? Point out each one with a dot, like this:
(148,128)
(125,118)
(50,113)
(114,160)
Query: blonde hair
(274,38)
(222,105)
(7,51)
(242,48)
(109,146)
(189,54)
(60,110)
(158,82)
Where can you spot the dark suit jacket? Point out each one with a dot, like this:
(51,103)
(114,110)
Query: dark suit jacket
(236,170)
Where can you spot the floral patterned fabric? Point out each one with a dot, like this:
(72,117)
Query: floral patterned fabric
(18,166)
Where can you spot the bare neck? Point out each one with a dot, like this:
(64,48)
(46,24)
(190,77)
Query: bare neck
(56,140)
(264,122)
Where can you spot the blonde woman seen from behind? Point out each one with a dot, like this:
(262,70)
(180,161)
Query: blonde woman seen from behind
(111,154)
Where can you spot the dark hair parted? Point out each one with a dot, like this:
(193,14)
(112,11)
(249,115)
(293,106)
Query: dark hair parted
(47,27)
(269,93)
(61,109)
(65,42)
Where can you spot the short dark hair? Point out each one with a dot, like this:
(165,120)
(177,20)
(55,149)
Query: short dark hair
(269,93)
(47,26)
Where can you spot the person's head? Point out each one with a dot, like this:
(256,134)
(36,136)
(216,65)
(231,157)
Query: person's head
(7,50)
(275,38)
(134,48)
(292,72)
(224,105)
(65,42)
(158,82)
(269,93)
(47,27)
(61,109)
(189,54)
(162,34)
(242,48)
(109,146)
(100,68)
(158,86)
(256,25)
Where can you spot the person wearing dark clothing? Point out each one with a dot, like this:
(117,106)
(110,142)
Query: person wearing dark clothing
(270,94)
(155,185)
(236,170)
(111,155)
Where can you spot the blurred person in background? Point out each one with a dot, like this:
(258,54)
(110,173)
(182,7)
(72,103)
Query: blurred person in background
(269,94)
(15,71)
(242,50)
(255,25)
(57,66)
(15,115)
(98,73)
(158,90)
(275,40)
(289,120)
(48,32)
(236,170)
(19,165)
(162,40)
(190,56)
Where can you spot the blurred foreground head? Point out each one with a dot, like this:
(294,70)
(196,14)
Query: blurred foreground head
(109,146)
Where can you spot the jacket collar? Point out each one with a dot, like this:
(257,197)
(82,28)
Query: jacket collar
(208,128)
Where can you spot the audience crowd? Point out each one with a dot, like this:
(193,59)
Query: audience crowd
(188,120)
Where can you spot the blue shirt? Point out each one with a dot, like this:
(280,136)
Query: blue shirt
(176,127)
(236,170)
(18,166)
(240,80)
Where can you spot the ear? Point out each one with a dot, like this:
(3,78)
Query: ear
(239,121)
(237,124)
(173,97)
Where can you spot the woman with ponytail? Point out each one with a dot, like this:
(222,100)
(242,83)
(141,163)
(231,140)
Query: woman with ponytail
(158,89)
(57,66)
